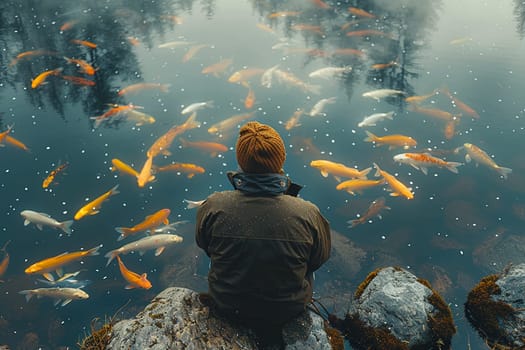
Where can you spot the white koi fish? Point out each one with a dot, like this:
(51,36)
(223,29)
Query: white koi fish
(267,76)
(157,242)
(66,295)
(43,219)
(481,157)
(371,120)
(382,93)
(318,108)
(330,72)
(196,106)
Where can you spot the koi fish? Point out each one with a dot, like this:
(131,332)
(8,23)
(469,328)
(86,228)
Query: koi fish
(368,32)
(194,107)
(347,52)
(396,186)
(162,144)
(52,175)
(213,147)
(460,104)
(145,174)
(330,72)
(421,161)
(83,65)
(66,283)
(134,88)
(4,134)
(136,116)
(421,98)
(187,168)
(93,207)
(68,25)
(193,204)
(229,123)
(373,210)
(15,142)
(293,122)
(112,112)
(450,128)
(192,51)
(371,120)
(4,262)
(43,219)
(78,80)
(379,66)
(265,27)
(360,12)
(309,28)
(41,78)
(481,157)
(158,242)
(149,223)
(382,93)
(434,112)
(55,263)
(338,170)
(168,228)
(174,44)
(249,101)
(392,141)
(119,165)
(217,68)
(284,14)
(64,295)
(245,74)
(29,54)
(321,4)
(134,279)
(175,19)
(292,80)
(318,108)
(358,185)
(85,43)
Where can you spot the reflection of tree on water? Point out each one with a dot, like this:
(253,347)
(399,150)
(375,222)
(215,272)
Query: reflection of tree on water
(519,14)
(51,25)
(387,35)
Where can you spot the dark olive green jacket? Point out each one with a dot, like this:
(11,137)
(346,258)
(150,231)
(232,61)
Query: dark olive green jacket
(263,249)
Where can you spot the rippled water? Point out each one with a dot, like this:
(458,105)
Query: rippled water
(473,48)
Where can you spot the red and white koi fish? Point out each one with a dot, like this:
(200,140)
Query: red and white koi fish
(422,161)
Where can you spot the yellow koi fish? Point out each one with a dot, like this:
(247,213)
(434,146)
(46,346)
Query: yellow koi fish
(150,223)
(358,185)
(188,168)
(481,157)
(397,187)
(93,207)
(41,78)
(124,168)
(391,140)
(134,279)
(145,175)
(162,144)
(338,170)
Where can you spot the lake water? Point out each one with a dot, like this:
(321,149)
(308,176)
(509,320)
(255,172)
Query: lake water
(472,48)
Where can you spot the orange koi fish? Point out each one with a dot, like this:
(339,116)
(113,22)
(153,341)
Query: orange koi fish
(4,263)
(460,104)
(32,53)
(213,147)
(41,78)
(68,25)
(83,65)
(450,128)
(134,41)
(391,140)
(124,168)
(308,28)
(138,117)
(229,123)
(52,175)
(265,27)
(293,122)
(55,263)
(360,12)
(162,144)
(188,168)
(145,174)
(93,207)
(134,279)
(245,74)
(284,14)
(434,112)
(379,66)
(338,170)
(85,43)
(249,101)
(112,112)
(396,186)
(421,98)
(292,80)
(321,4)
(347,52)
(4,134)
(150,223)
(373,210)
(217,68)
(368,32)
(11,140)
(133,88)
(78,80)
(481,157)
(172,18)
(192,51)
(421,161)
(358,185)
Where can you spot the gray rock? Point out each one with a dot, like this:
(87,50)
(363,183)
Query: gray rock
(400,305)
(176,319)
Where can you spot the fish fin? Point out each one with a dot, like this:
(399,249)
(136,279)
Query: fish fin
(369,137)
(503,171)
(364,173)
(129,286)
(60,272)
(144,276)
(66,226)
(114,190)
(26,222)
(45,214)
(159,251)
(395,194)
(142,252)
(110,255)
(166,221)
(337,178)
(424,170)
(468,159)
(40,227)
(65,302)
(351,192)
(378,170)
(94,250)
(452,166)
(94,212)
(57,302)
(48,276)
(27,293)
(379,216)
(324,173)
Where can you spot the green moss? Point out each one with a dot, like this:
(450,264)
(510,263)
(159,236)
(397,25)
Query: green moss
(485,314)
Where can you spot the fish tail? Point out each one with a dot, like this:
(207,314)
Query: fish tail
(192,204)
(66,226)
(111,255)
(94,250)
(364,173)
(370,137)
(354,223)
(124,232)
(115,190)
(378,171)
(452,166)
(192,122)
(27,293)
(97,121)
(503,171)
(165,87)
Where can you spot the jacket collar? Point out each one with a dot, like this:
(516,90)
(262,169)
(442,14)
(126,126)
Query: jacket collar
(259,184)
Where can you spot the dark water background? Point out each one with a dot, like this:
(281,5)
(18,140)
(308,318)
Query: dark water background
(474,48)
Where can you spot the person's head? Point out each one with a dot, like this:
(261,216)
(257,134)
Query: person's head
(260,149)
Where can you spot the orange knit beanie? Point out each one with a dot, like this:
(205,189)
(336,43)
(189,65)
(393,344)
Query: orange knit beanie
(260,149)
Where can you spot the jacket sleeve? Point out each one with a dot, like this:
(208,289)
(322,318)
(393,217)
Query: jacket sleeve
(322,243)
(202,234)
